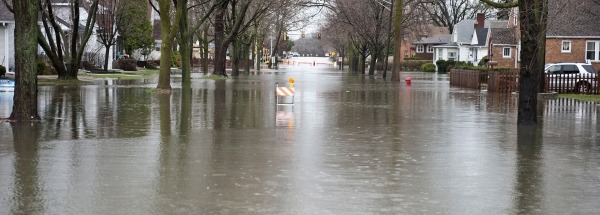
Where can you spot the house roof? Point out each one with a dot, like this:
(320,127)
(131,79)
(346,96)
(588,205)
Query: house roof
(447,45)
(5,14)
(482,34)
(505,36)
(436,39)
(573,18)
(464,29)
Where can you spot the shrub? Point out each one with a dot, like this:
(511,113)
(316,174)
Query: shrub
(428,67)
(41,67)
(413,65)
(442,66)
(128,64)
(152,64)
(175,59)
(2,70)
(483,61)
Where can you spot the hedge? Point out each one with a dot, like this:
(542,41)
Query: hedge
(413,65)
(428,67)
(128,64)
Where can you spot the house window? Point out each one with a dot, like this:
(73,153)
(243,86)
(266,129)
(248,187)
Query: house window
(157,46)
(592,50)
(440,54)
(452,55)
(405,54)
(429,49)
(566,46)
(420,48)
(506,52)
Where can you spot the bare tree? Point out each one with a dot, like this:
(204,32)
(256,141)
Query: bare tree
(335,34)
(449,12)
(367,19)
(107,26)
(169,23)
(65,49)
(187,28)
(231,18)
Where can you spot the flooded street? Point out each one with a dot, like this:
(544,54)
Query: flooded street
(349,145)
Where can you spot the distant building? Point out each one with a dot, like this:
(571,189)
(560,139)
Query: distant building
(424,48)
(469,41)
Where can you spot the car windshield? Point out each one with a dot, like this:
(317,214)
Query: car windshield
(589,69)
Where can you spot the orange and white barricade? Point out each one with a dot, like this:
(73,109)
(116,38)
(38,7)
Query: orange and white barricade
(284,92)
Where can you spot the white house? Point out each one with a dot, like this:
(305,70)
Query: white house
(7,31)
(469,42)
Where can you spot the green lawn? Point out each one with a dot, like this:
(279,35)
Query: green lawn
(592,98)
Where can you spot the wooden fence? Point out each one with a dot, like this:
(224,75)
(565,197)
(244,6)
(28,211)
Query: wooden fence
(503,81)
(508,81)
(467,78)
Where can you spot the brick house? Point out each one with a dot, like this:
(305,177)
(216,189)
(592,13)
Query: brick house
(504,42)
(415,34)
(573,33)
(424,47)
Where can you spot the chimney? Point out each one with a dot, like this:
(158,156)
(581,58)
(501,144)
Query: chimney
(480,21)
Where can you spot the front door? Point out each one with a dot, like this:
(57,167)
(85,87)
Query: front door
(474,54)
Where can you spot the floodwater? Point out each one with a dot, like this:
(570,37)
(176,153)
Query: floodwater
(348,145)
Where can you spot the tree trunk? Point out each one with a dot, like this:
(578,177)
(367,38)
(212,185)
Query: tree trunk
(168,32)
(342,66)
(258,47)
(25,105)
(164,78)
(373,62)
(205,49)
(235,58)
(353,65)
(185,48)
(532,17)
(247,49)
(397,64)
(362,64)
(220,48)
(106,57)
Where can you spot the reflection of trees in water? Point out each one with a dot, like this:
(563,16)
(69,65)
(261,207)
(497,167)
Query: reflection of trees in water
(248,107)
(133,112)
(529,193)
(65,113)
(75,112)
(26,194)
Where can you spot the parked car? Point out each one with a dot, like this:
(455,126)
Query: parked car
(571,77)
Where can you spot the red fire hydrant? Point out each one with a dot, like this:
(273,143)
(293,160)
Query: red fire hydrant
(408,80)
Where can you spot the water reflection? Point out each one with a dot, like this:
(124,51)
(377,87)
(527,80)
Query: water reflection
(349,145)
(25,198)
(529,185)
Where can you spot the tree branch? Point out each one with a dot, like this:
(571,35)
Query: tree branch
(515,3)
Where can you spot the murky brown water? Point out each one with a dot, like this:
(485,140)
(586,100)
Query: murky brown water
(349,145)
